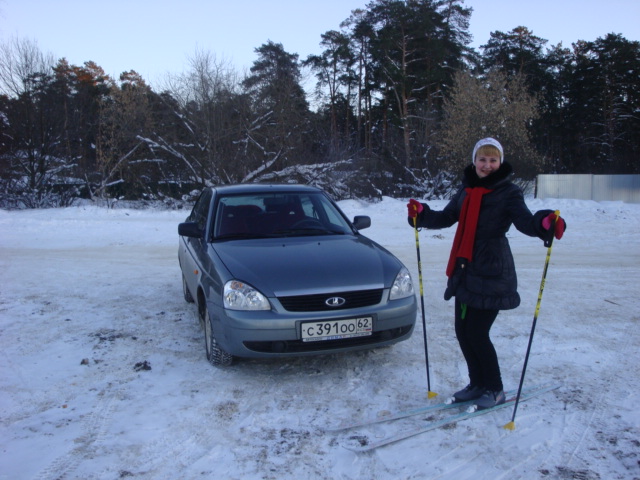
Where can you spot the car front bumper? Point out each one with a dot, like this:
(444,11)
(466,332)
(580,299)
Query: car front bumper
(277,332)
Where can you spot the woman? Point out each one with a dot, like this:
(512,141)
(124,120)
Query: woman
(481,269)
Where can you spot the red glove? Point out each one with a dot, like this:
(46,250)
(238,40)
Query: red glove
(414,207)
(560,225)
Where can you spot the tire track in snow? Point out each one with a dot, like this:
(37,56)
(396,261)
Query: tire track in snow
(94,431)
(593,416)
(117,352)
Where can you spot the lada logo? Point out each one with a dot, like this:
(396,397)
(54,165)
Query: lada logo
(335,301)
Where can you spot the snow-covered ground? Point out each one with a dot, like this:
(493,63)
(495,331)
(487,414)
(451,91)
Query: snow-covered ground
(104,374)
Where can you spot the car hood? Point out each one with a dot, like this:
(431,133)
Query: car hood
(308,265)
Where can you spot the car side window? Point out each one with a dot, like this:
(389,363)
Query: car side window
(200,210)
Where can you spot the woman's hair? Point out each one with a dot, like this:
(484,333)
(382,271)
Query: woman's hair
(487,146)
(488,150)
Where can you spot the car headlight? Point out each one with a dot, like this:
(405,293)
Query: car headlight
(402,286)
(240,296)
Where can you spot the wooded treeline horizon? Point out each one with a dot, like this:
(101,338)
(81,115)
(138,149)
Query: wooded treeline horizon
(400,101)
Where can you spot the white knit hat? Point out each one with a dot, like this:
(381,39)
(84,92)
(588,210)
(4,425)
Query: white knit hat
(487,141)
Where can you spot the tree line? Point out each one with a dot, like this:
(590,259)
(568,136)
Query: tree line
(400,99)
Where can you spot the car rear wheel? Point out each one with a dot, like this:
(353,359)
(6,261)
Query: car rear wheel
(215,355)
(185,291)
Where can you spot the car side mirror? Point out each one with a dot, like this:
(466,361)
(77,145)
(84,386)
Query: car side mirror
(361,222)
(190,229)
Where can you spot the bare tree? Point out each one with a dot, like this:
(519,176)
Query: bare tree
(21,61)
(204,96)
(489,107)
(31,129)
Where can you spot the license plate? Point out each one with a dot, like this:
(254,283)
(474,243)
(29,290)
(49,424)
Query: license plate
(337,329)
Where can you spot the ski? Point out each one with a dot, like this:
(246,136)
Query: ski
(362,443)
(395,415)
(388,416)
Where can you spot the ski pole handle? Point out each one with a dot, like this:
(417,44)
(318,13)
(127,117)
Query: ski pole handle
(552,230)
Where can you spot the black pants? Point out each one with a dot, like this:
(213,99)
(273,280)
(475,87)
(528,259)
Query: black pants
(472,332)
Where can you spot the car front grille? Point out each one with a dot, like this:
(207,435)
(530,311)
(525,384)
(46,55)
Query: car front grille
(318,303)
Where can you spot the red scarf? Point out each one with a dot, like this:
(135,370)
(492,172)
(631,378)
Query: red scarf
(467,224)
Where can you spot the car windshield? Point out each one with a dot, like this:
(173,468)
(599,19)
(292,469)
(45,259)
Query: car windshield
(260,215)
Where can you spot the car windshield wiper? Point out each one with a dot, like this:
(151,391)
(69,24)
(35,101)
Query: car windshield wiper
(288,232)
(244,236)
(310,231)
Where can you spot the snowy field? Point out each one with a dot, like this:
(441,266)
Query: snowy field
(104,374)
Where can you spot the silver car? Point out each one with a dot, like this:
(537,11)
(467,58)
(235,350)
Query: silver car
(279,270)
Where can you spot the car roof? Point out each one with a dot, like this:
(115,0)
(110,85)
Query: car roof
(263,188)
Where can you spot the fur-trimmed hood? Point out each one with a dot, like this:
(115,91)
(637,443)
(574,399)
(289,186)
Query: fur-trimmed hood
(502,175)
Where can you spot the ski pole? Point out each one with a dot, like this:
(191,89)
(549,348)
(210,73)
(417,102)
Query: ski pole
(547,243)
(430,394)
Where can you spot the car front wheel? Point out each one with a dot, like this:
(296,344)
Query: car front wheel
(216,355)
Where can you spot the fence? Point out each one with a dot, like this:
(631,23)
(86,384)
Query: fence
(625,188)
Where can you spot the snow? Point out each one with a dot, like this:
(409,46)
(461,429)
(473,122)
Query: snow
(104,374)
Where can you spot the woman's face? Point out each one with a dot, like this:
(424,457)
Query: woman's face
(486,164)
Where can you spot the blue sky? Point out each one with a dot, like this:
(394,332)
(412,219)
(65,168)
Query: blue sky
(154,37)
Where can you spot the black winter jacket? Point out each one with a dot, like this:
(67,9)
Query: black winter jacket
(489,281)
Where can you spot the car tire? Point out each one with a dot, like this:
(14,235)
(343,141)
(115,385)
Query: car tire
(215,355)
(185,291)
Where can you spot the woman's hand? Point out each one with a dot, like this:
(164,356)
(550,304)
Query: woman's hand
(414,208)
(560,224)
